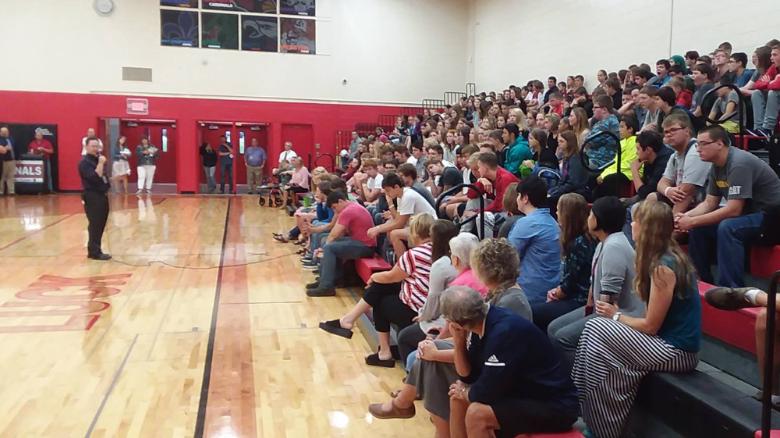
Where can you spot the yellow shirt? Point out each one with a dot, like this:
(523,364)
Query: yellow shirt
(627,155)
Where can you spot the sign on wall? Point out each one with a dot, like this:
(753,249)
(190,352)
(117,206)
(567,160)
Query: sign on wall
(29,171)
(137,106)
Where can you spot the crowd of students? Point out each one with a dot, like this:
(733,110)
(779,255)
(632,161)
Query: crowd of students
(578,286)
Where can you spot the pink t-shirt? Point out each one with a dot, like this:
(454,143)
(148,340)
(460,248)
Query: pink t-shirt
(467,278)
(357,220)
(300,177)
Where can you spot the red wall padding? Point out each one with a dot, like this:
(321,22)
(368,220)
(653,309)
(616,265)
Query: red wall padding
(73,113)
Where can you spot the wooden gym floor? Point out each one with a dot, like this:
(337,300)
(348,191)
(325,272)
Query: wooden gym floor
(198,327)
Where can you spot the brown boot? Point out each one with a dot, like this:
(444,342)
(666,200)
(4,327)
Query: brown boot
(378,411)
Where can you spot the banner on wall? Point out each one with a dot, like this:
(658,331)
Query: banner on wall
(298,36)
(297,7)
(23,138)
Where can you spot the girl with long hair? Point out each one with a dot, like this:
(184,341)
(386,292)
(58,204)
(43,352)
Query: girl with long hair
(578,120)
(574,176)
(577,247)
(623,349)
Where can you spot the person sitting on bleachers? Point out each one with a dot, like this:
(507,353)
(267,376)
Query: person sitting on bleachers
(685,176)
(666,100)
(396,296)
(751,190)
(703,75)
(738,65)
(493,181)
(649,103)
(410,203)
(496,265)
(368,183)
(726,298)
(610,181)
(612,275)
(649,166)
(577,247)
(617,350)
(724,111)
(582,100)
(299,180)
(601,148)
(444,177)
(578,120)
(442,273)
(614,91)
(348,239)
(766,99)
(535,237)
(516,150)
(510,378)
(574,176)
(408,174)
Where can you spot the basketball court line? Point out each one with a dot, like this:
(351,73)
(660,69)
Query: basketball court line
(3,248)
(110,389)
(204,388)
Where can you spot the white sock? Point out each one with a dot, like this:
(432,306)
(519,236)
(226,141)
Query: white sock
(775,399)
(750,296)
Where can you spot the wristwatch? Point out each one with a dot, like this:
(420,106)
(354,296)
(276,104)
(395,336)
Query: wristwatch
(616,316)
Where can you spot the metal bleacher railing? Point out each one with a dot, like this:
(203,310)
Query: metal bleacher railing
(480,215)
(453,97)
(769,353)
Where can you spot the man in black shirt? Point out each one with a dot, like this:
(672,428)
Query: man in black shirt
(652,156)
(95,184)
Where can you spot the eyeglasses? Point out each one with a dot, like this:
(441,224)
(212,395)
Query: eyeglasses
(705,143)
(671,131)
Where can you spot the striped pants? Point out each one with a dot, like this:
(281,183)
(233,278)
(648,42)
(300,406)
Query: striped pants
(612,358)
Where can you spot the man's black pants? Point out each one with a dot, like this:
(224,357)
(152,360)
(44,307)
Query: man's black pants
(96,208)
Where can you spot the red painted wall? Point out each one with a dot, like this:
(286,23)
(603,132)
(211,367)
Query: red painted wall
(74,113)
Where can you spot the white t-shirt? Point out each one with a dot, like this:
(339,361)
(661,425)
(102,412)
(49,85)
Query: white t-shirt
(84,145)
(375,182)
(287,155)
(412,203)
(412,160)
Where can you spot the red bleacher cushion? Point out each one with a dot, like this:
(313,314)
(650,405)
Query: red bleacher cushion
(772,434)
(764,260)
(736,328)
(367,266)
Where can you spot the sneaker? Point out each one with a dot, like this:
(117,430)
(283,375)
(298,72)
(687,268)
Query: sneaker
(727,298)
(310,264)
(148,191)
(306,259)
(140,191)
(311,267)
(321,292)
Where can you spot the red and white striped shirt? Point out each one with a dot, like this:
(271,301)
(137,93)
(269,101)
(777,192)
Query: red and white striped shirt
(416,263)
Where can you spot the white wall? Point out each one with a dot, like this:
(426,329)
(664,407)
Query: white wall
(377,45)
(520,40)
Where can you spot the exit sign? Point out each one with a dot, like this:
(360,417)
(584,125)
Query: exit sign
(137,106)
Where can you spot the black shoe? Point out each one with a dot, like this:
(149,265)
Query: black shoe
(313,285)
(334,327)
(321,292)
(100,256)
(374,360)
(727,298)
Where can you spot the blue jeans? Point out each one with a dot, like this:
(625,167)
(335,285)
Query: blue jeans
(727,240)
(766,105)
(316,239)
(343,248)
(226,173)
(210,181)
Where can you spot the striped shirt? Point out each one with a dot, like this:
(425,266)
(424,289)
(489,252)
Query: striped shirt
(416,263)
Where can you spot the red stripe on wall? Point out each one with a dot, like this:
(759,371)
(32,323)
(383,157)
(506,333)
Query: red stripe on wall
(73,113)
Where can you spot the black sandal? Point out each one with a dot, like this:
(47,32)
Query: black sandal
(334,327)
(374,360)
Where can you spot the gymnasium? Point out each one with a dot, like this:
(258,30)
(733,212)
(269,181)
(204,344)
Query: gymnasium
(390,218)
